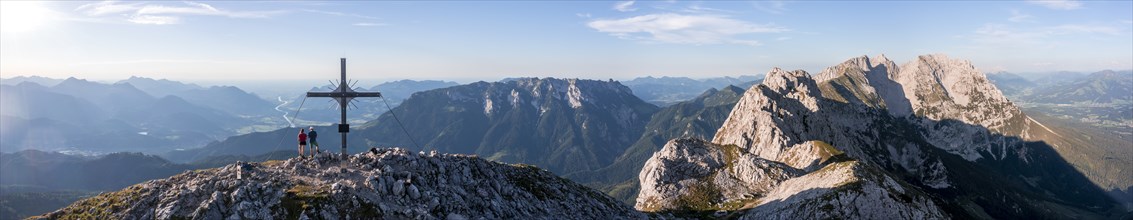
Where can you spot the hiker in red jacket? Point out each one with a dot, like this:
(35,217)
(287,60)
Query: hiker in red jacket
(302,141)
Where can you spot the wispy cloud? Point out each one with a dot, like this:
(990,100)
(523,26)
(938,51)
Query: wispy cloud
(153,19)
(147,13)
(107,7)
(697,8)
(342,14)
(1017,16)
(773,7)
(999,35)
(624,6)
(582,15)
(1085,29)
(1058,4)
(368,24)
(683,29)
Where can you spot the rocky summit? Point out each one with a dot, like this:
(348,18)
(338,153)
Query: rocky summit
(932,138)
(381,184)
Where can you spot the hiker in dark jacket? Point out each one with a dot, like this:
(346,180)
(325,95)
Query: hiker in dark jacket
(314,143)
(302,141)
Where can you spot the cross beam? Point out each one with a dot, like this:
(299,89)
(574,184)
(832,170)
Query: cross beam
(343,94)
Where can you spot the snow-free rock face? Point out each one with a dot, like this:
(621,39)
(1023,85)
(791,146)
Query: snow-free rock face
(391,183)
(934,126)
(845,189)
(943,89)
(694,175)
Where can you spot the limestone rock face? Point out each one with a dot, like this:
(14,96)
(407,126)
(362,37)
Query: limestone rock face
(692,174)
(901,137)
(392,184)
(695,174)
(845,189)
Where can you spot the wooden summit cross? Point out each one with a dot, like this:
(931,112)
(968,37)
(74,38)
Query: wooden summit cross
(343,94)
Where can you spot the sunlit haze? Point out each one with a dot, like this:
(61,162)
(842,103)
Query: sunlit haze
(591,39)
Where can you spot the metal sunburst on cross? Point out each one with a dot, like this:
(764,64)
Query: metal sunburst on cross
(343,94)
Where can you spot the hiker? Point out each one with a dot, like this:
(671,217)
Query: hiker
(314,143)
(302,141)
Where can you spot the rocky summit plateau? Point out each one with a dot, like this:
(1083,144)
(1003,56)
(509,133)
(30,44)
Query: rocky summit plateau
(383,184)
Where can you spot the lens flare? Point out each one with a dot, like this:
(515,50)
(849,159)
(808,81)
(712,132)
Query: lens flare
(22,16)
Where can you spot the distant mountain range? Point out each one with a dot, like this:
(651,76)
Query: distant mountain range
(34,79)
(84,116)
(1106,86)
(1100,87)
(1101,100)
(365,109)
(229,99)
(560,124)
(668,90)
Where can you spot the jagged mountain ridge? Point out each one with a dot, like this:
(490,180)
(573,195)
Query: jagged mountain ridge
(387,183)
(560,124)
(934,122)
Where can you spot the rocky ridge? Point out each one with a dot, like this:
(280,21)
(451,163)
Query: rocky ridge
(386,183)
(932,135)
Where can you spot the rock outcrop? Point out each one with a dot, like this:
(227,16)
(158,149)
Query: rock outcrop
(391,183)
(694,175)
(901,137)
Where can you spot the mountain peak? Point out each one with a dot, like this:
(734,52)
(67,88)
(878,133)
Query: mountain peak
(880,58)
(381,184)
(779,80)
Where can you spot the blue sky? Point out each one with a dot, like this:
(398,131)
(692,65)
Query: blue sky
(468,40)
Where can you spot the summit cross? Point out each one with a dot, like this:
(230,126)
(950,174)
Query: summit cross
(343,94)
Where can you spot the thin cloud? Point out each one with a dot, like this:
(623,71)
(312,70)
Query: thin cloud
(367,24)
(773,7)
(999,35)
(1085,29)
(153,19)
(107,7)
(342,14)
(697,8)
(683,29)
(1058,4)
(146,13)
(625,6)
(1017,16)
(582,15)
